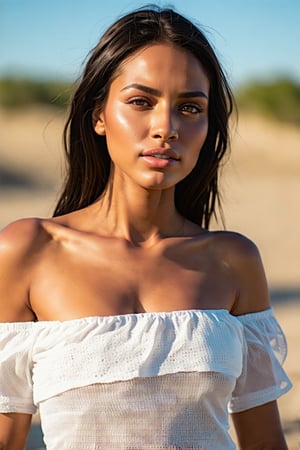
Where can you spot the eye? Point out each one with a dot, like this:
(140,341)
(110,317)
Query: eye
(140,102)
(191,108)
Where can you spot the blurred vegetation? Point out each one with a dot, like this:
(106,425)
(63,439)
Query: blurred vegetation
(278,99)
(20,92)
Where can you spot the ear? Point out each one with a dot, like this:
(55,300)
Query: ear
(98,122)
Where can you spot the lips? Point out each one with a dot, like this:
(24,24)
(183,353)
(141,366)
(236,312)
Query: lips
(160,158)
(161,153)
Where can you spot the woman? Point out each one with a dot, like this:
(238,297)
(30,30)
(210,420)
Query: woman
(129,324)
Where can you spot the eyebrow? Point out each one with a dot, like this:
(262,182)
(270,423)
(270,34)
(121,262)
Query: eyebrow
(157,93)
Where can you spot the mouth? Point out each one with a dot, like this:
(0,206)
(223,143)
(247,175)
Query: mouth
(160,158)
(161,153)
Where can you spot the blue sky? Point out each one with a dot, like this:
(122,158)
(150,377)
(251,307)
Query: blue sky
(51,38)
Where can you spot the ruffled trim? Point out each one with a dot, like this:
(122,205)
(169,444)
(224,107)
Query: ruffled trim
(16,405)
(120,348)
(262,379)
(265,324)
(16,368)
(59,356)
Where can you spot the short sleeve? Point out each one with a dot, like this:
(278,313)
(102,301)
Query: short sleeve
(16,368)
(263,378)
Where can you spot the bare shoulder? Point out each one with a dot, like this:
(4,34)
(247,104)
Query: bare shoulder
(243,257)
(17,238)
(236,246)
(19,243)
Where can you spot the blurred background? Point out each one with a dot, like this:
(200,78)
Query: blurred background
(43,46)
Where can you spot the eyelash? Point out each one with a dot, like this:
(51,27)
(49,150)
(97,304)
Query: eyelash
(142,102)
(197,109)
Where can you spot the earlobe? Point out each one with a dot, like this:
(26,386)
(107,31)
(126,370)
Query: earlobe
(100,128)
(98,123)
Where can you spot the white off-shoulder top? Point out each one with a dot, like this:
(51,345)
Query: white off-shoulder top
(142,381)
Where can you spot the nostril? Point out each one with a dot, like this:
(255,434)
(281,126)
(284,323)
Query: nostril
(171,135)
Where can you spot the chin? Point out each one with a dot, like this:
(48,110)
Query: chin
(157,185)
(159,180)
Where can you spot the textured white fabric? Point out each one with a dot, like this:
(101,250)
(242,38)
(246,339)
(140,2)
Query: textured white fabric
(159,372)
(178,410)
(263,378)
(16,368)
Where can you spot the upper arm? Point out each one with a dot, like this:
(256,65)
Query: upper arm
(17,249)
(14,428)
(259,428)
(252,293)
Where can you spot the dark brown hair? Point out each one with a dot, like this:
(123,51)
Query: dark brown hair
(87,154)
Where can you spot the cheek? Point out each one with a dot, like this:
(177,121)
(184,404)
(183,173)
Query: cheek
(120,120)
(120,114)
(196,136)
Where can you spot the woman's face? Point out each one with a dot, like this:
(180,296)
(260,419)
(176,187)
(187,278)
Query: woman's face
(156,116)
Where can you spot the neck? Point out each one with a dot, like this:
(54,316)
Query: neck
(139,215)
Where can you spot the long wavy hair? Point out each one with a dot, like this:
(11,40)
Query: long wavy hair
(88,160)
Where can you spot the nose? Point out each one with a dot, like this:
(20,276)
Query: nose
(164,125)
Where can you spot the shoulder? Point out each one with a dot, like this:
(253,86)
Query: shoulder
(235,246)
(20,236)
(242,256)
(20,243)
(23,240)
(230,247)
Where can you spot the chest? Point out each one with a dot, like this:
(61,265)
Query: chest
(113,278)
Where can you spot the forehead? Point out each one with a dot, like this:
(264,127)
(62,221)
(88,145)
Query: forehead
(160,63)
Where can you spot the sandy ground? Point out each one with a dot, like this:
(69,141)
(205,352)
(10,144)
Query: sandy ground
(261,190)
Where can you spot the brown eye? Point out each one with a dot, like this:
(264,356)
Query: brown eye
(140,101)
(191,108)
